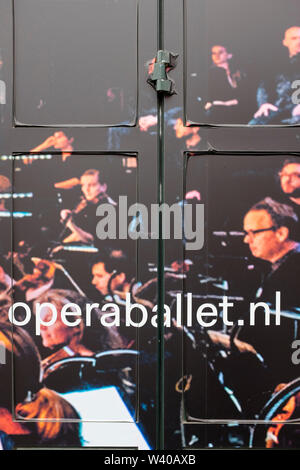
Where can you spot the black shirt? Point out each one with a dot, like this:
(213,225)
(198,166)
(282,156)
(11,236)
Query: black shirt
(273,342)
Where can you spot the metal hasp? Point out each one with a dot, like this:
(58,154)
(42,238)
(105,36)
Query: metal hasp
(159,79)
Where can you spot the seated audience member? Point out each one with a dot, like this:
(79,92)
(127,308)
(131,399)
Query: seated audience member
(225,100)
(274,95)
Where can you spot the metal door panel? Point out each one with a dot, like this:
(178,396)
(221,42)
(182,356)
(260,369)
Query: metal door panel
(200,155)
(101,134)
(74,64)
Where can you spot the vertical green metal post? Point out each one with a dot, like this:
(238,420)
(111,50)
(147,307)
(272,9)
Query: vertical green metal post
(160,252)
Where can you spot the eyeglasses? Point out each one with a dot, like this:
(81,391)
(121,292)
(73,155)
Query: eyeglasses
(250,233)
(294,175)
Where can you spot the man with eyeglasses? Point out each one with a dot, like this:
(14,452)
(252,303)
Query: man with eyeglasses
(269,229)
(270,232)
(289,177)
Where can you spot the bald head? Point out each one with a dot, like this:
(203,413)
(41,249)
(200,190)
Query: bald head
(292,40)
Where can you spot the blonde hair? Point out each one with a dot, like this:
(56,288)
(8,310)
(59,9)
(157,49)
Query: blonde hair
(95,337)
(49,409)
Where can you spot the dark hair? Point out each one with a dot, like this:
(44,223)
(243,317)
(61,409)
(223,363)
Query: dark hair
(91,172)
(22,355)
(116,260)
(282,215)
(289,161)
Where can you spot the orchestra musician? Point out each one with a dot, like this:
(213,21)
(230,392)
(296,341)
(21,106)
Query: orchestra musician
(81,221)
(68,341)
(270,229)
(289,176)
(39,281)
(5,187)
(35,413)
(110,274)
(113,277)
(59,141)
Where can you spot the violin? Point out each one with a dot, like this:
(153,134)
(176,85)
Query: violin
(43,272)
(82,204)
(77,209)
(62,353)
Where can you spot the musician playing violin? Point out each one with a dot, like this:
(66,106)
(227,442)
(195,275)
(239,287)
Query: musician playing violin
(81,221)
(77,340)
(32,284)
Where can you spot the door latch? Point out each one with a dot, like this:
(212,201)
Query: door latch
(159,79)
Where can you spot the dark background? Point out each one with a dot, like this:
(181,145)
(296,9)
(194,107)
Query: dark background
(251,30)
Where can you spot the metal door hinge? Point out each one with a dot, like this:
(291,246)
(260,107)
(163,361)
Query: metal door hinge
(159,79)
